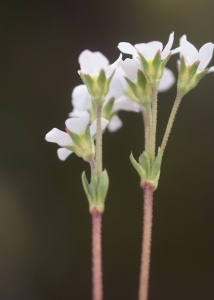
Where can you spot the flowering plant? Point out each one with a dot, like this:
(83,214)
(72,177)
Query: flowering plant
(132,85)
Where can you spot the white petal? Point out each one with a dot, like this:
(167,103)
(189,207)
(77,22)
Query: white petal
(176,50)
(205,55)
(211,69)
(77,113)
(127,48)
(167,80)
(115,90)
(77,125)
(81,98)
(189,52)
(168,46)
(115,123)
(130,67)
(59,137)
(123,103)
(148,50)
(93,127)
(92,62)
(63,153)
(111,68)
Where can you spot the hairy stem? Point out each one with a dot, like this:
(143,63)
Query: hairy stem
(97,284)
(171,121)
(99,142)
(154,122)
(146,243)
(146,127)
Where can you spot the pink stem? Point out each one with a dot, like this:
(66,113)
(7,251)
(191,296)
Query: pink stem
(146,243)
(97,284)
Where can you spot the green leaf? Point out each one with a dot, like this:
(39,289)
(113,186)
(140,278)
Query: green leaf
(86,188)
(102,187)
(157,164)
(145,163)
(137,167)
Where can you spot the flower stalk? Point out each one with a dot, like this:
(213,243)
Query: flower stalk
(97,284)
(146,243)
(171,120)
(99,142)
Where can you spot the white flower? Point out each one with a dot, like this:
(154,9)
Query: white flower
(93,62)
(81,101)
(191,54)
(149,50)
(131,66)
(76,125)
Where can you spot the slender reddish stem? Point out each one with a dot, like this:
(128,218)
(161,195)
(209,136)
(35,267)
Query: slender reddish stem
(97,284)
(146,243)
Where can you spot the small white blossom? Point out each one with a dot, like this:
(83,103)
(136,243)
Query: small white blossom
(93,62)
(76,125)
(149,50)
(131,66)
(191,54)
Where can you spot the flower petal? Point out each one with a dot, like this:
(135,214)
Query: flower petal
(93,127)
(63,153)
(167,80)
(127,48)
(116,89)
(115,123)
(130,67)
(59,137)
(111,68)
(168,46)
(189,51)
(77,113)
(211,69)
(123,103)
(81,98)
(205,55)
(148,50)
(77,125)
(92,62)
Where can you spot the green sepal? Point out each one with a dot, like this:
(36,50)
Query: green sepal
(144,161)
(157,165)
(107,108)
(141,80)
(144,62)
(75,138)
(201,75)
(88,82)
(101,80)
(132,86)
(86,188)
(88,137)
(102,189)
(138,167)
(182,66)
(165,61)
(193,69)
(157,61)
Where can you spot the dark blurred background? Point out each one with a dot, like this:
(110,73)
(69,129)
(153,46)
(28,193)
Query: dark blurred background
(45,226)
